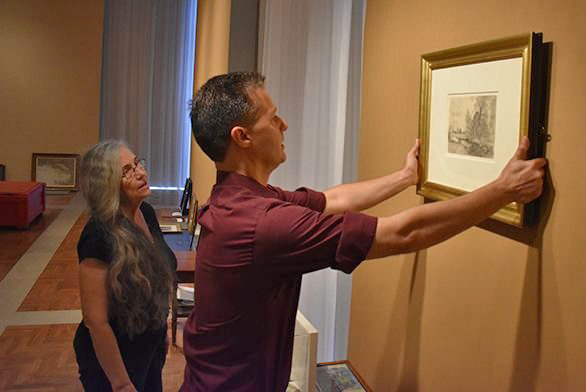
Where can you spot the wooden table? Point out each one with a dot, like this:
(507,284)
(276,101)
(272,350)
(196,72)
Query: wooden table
(177,241)
(185,274)
(185,265)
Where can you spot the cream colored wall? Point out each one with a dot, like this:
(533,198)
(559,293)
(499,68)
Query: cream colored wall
(480,312)
(211,58)
(50,61)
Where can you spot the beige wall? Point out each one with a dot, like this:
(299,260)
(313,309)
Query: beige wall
(211,58)
(50,61)
(480,312)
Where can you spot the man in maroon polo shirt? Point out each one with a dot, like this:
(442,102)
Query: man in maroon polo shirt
(257,240)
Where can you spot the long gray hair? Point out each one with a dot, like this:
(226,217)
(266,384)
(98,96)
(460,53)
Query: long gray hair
(139,277)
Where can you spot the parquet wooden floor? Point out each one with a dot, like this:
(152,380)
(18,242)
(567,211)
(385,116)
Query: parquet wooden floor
(58,286)
(41,358)
(38,358)
(14,242)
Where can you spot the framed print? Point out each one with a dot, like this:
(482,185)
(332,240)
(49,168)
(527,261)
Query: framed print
(57,171)
(339,376)
(476,103)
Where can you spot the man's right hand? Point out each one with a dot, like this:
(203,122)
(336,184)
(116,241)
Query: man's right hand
(522,179)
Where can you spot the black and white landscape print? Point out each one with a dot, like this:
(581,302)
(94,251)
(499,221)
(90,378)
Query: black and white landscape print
(471,128)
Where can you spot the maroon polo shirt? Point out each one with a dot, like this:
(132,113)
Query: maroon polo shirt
(255,244)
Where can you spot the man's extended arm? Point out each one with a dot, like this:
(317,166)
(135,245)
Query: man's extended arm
(423,226)
(361,195)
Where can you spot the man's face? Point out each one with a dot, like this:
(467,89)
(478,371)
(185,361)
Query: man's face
(267,132)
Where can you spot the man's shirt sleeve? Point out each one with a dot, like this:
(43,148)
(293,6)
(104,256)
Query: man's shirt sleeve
(291,239)
(304,197)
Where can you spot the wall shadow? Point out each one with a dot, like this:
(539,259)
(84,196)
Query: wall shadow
(527,352)
(392,357)
(528,347)
(412,341)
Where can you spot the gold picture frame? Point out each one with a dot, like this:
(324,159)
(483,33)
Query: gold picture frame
(57,171)
(476,103)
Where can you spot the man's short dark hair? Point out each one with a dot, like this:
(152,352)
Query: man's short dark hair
(221,103)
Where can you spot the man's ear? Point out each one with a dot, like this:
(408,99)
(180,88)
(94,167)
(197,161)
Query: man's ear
(240,136)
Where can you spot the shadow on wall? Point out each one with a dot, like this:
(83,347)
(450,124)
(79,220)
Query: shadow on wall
(528,348)
(404,337)
(404,332)
(410,376)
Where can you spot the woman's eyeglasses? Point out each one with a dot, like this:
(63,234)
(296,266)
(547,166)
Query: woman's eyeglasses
(128,172)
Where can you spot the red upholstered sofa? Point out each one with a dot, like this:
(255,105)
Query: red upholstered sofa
(21,202)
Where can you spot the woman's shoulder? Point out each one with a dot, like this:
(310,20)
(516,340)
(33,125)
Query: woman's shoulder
(95,241)
(149,214)
(93,228)
(146,207)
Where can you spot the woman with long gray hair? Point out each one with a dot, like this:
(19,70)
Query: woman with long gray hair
(126,274)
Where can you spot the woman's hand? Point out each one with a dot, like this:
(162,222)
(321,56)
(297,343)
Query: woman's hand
(124,388)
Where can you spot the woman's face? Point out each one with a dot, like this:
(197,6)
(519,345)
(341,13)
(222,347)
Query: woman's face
(134,185)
